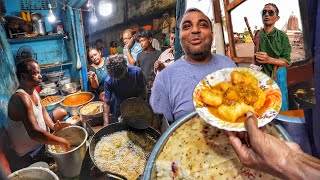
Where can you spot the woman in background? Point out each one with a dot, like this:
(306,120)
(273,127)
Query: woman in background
(113,47)
(97,73)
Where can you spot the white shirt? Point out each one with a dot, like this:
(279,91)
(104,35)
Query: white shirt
(21,141)
(156,44)
(167,58)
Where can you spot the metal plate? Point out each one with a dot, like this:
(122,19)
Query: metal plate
(150,171)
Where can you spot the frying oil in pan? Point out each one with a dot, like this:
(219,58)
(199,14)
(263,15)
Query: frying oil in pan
(124,152)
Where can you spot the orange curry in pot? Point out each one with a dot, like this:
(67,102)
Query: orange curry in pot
(76,99)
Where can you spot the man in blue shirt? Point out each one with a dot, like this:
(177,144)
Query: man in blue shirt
(100,46)
(171,94)
(125,81)
(131,48)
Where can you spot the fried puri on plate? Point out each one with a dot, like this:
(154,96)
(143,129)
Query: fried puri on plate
(224,97)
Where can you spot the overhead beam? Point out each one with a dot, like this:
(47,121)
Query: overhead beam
(234,4)
(76,3)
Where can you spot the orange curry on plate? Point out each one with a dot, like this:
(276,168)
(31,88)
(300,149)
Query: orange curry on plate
(230,101)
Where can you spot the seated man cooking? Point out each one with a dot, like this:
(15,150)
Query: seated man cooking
(125,81)
(28,118)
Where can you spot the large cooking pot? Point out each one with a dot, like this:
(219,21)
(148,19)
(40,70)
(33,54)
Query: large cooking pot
(69,163)
(72,102)
(39,173)
(115,127)
(150,170)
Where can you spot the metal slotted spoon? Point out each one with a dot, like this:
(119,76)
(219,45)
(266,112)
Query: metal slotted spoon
(137,113)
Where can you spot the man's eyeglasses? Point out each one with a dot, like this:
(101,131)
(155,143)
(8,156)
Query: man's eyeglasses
(270,12)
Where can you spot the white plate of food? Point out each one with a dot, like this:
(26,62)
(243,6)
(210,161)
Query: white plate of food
(224,97)
(73,120)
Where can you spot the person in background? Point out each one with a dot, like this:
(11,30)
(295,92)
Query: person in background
(156,44)
(273,50)
(29,119)
(124,81)
(267,153)
(97,71)
(171,94)
(167,57)
(228,52)
(113,47)
(120,47)
(147,58)
(165,44)
(131,48)
(100,46)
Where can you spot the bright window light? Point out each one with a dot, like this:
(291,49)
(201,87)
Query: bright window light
(105,8)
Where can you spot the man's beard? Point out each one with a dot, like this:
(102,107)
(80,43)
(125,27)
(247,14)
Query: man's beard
(199,55)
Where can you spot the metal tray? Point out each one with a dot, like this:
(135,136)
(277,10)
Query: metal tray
(150,172)
(52,106)
(91,123)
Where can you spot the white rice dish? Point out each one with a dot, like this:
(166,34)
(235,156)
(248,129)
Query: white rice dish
(123,152)
(91,108)
(59,148)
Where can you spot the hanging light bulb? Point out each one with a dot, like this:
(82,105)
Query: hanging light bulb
(105,8)
(51,16)
(93,17)
(89,4)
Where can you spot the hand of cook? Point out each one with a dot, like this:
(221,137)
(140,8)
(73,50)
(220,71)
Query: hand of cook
(263,58)
(264,152)
(66,146)
(58,126)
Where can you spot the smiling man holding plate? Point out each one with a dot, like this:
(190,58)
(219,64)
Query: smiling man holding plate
(172,90)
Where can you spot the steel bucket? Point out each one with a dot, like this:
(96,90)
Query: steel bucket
(69,163)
